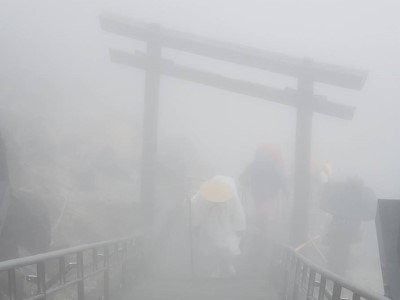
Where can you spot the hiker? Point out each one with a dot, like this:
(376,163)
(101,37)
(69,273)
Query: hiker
(321,174)
(349,202)
(263,180)
(218,221)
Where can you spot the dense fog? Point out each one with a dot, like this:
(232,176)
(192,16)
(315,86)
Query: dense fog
(57,54)
(71,119)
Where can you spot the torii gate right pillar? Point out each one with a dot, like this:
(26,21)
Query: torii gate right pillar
(302,184)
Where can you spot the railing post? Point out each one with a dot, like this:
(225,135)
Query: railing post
(106,274)
(123,264)
(61,266)
(80,273)
(191,238)
(337,290)
(285,275)
(311,283)
(41,275)
(116,254)
(94,259)
(295,283)
(12,284)
(356,296)
(304,274)
(322,287)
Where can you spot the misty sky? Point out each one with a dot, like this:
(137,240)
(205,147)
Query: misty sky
(55,64)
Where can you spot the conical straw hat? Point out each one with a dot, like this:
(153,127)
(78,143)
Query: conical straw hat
(215,190)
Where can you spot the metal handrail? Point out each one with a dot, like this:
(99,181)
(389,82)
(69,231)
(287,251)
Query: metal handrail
(303,279)
(298,277)
(123,249)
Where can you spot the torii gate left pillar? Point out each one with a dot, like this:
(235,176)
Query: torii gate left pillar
(150,132)
(302,188)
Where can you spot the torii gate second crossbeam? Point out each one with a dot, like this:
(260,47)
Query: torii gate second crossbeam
(303,99)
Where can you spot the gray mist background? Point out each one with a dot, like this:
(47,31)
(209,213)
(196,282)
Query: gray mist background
(55,66)
(58,87)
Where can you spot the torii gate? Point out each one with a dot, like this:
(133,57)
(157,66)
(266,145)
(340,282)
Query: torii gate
(302,99)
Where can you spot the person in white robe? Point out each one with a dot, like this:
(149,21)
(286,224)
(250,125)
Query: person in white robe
(218,219)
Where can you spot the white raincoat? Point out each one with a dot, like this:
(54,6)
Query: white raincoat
(219,224)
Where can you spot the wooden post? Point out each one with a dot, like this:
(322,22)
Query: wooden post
(150,124)
(302,156)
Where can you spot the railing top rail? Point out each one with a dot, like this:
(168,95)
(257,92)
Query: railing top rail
(364,293)
(30,260)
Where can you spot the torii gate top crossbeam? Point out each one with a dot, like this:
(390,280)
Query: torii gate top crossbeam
(235,53)
(286,97)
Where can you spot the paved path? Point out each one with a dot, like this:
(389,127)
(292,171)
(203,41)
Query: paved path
(169,272)
(202,289)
